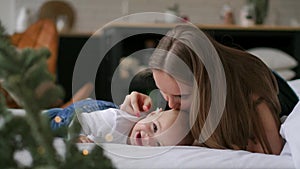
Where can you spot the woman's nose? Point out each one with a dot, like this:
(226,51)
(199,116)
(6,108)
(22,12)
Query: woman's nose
(173,103)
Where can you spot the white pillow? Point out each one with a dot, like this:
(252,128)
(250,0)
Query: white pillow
(274,58)
(286,74)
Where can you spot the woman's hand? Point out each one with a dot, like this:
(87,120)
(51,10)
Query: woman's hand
(135,103)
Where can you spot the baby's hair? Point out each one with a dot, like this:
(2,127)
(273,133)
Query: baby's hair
(143,82)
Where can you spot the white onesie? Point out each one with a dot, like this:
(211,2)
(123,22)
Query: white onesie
(110,125)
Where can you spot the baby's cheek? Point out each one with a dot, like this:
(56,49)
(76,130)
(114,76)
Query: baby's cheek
(185,105)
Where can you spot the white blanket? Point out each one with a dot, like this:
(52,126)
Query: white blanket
(290,131)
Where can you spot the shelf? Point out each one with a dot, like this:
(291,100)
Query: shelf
(201,26)
(207,26)
(250,28)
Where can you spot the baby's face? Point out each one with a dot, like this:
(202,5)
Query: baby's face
(159,129)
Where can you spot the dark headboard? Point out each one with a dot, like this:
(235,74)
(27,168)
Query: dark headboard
(133,38)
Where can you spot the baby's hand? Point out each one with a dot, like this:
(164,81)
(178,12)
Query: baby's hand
(84,139)
(135,103)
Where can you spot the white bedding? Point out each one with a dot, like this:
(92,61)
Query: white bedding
(193,157)
(127,156)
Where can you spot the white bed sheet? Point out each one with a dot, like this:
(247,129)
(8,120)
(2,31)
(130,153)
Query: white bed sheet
(193,157)
(127,156)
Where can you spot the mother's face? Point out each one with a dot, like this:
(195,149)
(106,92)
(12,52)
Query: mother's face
(178,95)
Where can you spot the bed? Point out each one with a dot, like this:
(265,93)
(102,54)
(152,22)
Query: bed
(128,156)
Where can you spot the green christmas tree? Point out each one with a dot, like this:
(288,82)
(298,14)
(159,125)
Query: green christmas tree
(27,141)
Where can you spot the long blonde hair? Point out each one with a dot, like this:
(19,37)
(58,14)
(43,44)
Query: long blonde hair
(246,77)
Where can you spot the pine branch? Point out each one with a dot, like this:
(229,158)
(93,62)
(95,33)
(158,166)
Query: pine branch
(24,73)
(25,76)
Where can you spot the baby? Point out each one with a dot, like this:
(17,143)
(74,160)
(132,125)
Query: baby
(159,128)
(142,82)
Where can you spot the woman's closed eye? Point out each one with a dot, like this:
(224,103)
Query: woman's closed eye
(186,96)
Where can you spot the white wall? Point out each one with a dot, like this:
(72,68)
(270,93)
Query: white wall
(92,14)
(7,14)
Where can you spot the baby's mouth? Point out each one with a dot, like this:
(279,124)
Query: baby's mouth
(138,139)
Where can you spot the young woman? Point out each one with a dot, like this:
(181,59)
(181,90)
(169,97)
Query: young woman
(248,116)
